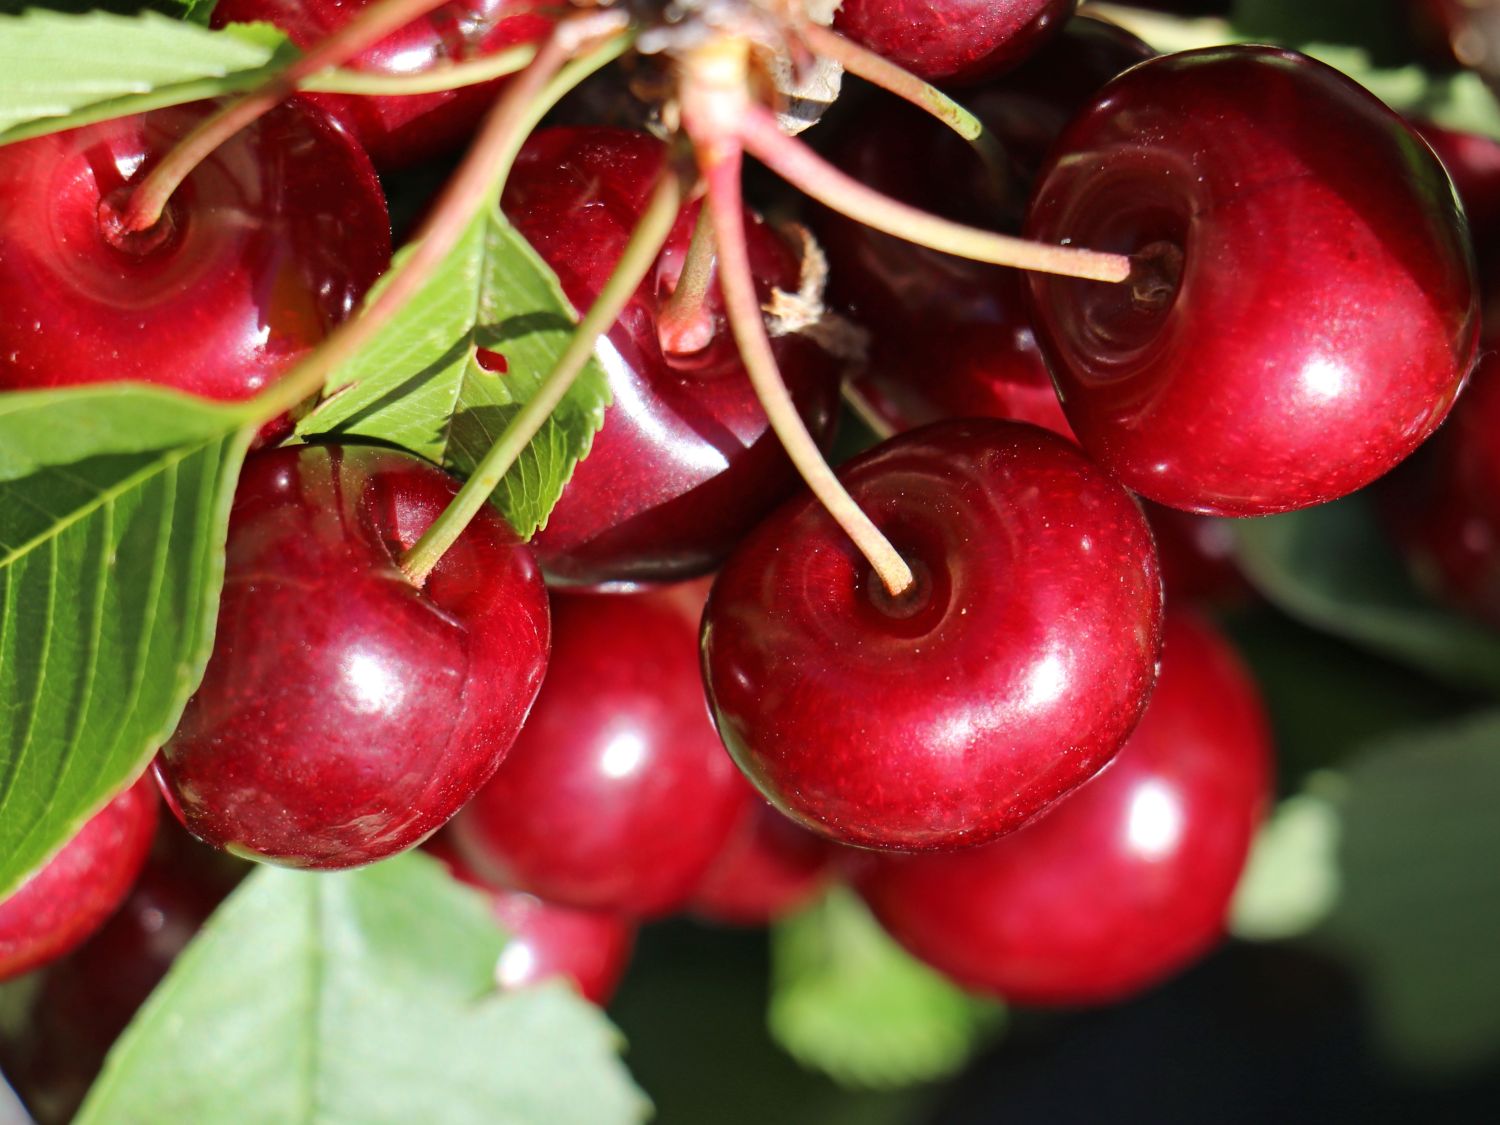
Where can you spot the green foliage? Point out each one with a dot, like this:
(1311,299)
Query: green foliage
(58,71)
(363,997)
(114,502)
(847,1000)
(420,387)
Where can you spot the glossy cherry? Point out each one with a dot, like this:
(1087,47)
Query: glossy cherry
(77,889)
(953,40)
(270,243)
(1474,163)
(591,948)
(345,714)
(768,868)
(1121,883)
(1007,676)
(402,129)
(1303,310)
(618,794)
(686,461)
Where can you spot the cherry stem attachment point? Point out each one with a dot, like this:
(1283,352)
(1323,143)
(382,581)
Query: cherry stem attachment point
(486,164)
(804,169)
(640,253)
(373,24)
(684,325)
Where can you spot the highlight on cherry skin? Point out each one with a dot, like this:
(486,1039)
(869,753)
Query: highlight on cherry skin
(70,896)
(345,714)
(1316,261)
(270,243)
(1009,673)
(1123,882)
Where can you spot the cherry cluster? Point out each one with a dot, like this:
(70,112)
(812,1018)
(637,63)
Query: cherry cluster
(949,673)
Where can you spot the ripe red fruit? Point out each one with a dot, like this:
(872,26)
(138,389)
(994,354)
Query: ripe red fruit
(1008,675)
(767,868)
(1121,883)
(78,888)
(345,714)
(953,40)
(270,243)
(618,794)
(686,461)
(1294,240)
(403,129)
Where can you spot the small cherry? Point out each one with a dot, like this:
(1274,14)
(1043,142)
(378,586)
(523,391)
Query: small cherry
(953,40)
(1303,310)
(953,713)
(686,461)
(1123,882)
(346,714)
(399,130)
(618,794)
(591,948)
(268,244)
(71,895)
(768,868)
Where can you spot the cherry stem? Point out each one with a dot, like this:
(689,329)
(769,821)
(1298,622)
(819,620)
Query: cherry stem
(486,164)
(683,325)
(640,253)
(369,27)
(865,411)
(897,80)
(794,162)
(449,76)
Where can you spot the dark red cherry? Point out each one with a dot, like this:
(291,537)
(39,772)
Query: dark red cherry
(70,896)
(402,129)
(953,40)
(618,794)
(1119,884)
(768,868)
(345,714)
(588,947)
(686,462)
(270,243)
(1303,310)
(1006,677)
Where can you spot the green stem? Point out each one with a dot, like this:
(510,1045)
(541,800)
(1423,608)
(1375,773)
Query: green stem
(640,252)
(453,76)
(683,325)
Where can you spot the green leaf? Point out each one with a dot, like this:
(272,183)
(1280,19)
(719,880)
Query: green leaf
(363,997)
(114,502)
(419,386)
(847,1000)
(58,71)
(1332,568)
(1291,882)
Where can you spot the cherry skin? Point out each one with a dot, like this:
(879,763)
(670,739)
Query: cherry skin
(1474,163)
(590,948)
(345,714)
(1123,882)
(71,895)
(1006,677)
(403,129)
(686,462)
(768,868)
(269,244)
(953,40)
(1303,310)
(618,794)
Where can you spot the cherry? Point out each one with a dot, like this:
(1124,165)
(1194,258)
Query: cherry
(1119,884)
(345,714)
(618,794)
(768,868)
(589,947)
(77,889)
(266,246)
(953,40)
(686,461)
(1474,163)
(1005,677)
(1303,310)
(403,129)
